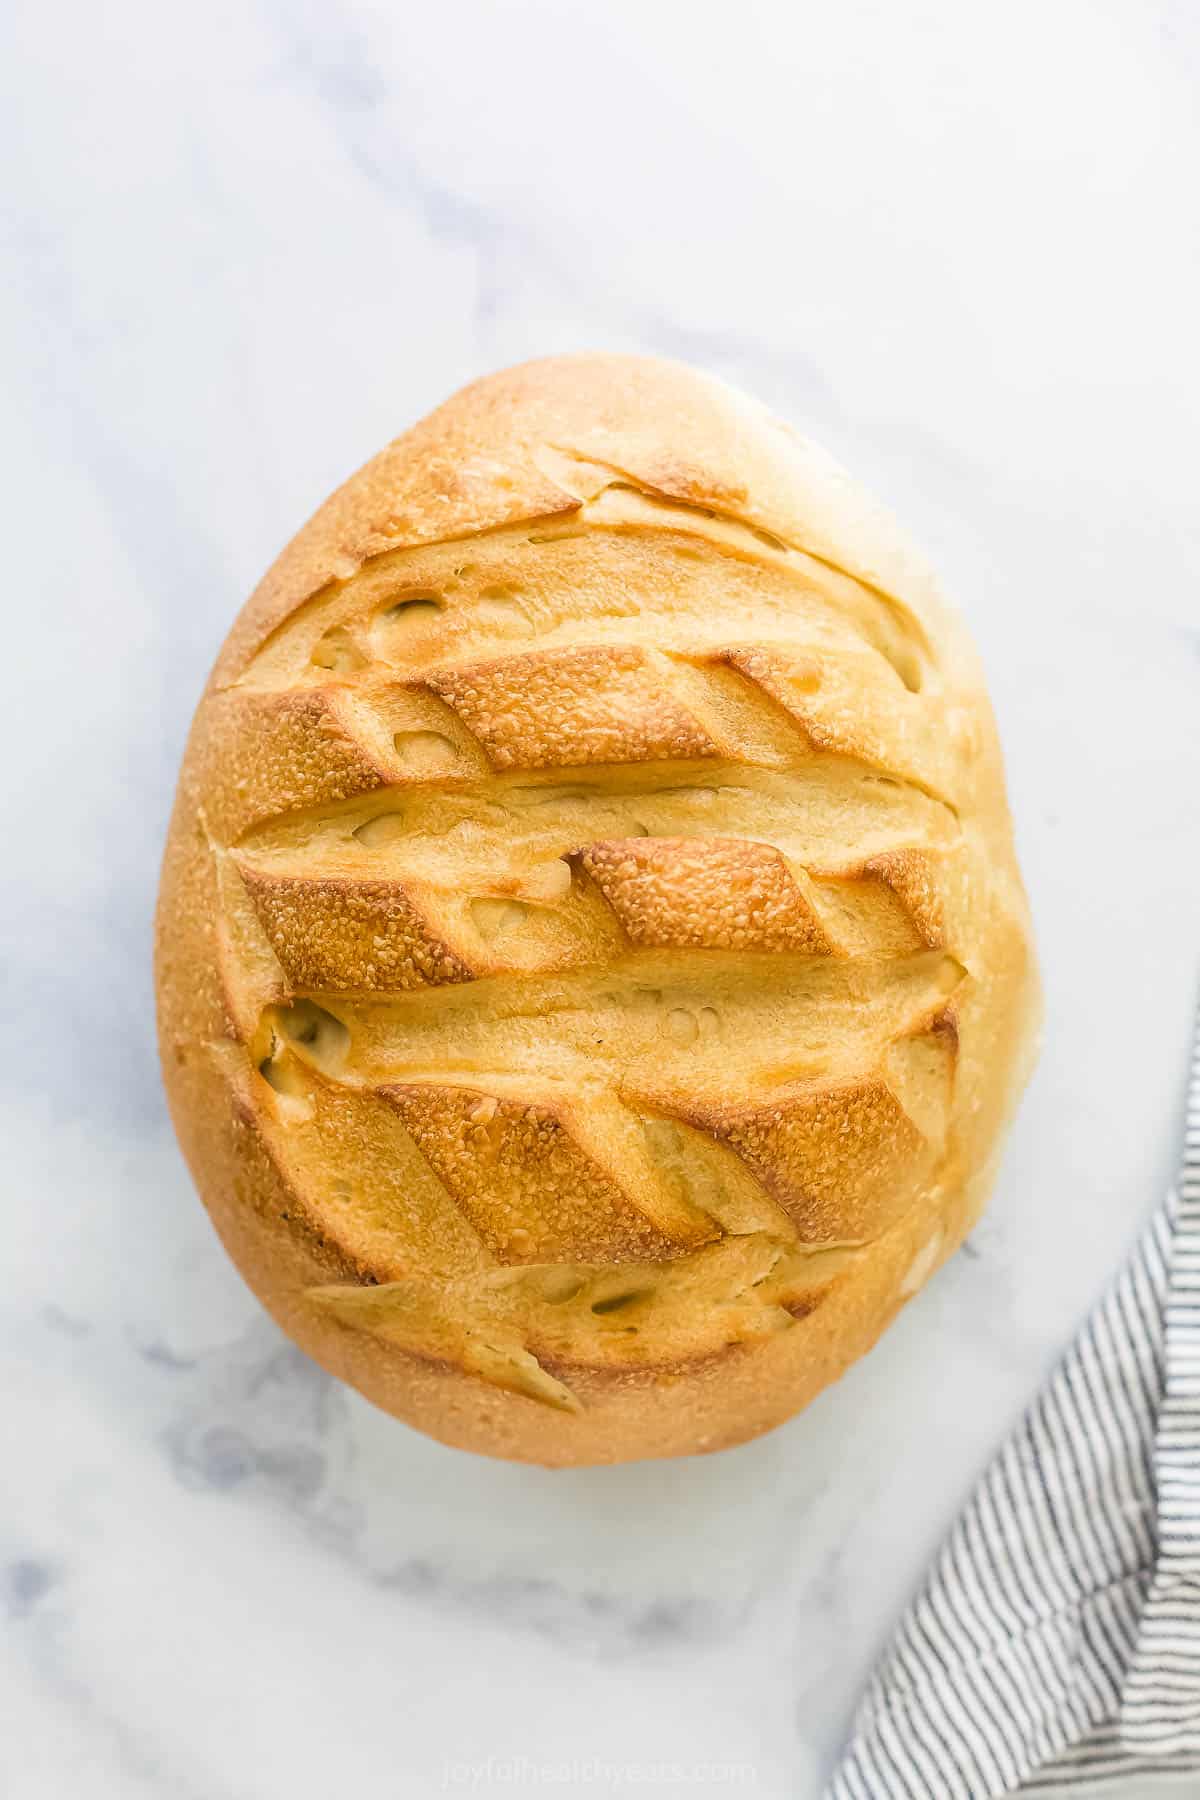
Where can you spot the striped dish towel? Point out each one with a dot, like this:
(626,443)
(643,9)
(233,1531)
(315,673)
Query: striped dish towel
(1056,1641)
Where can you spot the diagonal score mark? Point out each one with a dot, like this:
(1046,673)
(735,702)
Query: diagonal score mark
(629,555)
(361,923)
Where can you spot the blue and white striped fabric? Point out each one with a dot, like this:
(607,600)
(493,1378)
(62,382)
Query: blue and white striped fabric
(1056,1642)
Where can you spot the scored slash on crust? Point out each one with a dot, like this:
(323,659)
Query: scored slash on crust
(361,934)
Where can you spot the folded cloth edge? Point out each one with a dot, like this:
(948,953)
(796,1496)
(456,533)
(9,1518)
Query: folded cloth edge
(1055,1642)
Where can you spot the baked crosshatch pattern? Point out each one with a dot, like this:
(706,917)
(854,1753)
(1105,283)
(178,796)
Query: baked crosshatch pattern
(594,973)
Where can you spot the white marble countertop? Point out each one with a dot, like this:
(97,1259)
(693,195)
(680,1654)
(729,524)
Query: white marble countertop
(244,245)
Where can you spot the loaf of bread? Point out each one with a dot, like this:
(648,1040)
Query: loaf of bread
(594,974)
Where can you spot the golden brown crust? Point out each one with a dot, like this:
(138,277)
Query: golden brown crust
(334,933)
(522,1176)
(593,970)
(705,893)
(567,708)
